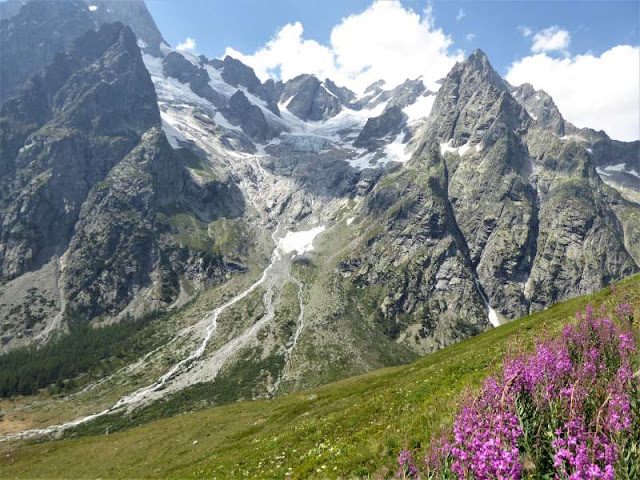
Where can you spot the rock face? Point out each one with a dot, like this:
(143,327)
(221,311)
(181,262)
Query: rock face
(502,175)
(414,256)
(541,107)
(390,122)
(135,15)
(236,73)
(65,148)
(87,175)
(31,38)
(249,117)
(33,32)
(307,99)
(176,66)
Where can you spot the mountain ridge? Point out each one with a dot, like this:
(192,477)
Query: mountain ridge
(433,216)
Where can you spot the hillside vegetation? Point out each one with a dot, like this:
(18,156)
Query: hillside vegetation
(351,428)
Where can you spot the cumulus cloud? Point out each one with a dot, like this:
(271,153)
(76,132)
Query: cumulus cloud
(189,45)
(600,92)
(461,15)
(385,41)
(551,39)
(525,31)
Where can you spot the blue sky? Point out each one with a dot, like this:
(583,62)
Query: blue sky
(245,25)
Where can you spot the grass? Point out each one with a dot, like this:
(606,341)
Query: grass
(351,428)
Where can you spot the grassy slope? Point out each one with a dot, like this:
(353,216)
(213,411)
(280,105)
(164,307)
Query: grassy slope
(347,429)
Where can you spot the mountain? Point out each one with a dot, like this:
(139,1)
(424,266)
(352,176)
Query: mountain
(87,180)
(33,32)
(264,237)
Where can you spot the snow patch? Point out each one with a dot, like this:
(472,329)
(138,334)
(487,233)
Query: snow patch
(190,56)
(446,147)
(396,151)
(93,8)
(420,109)
(577,138)
(350,220)
(324,87)
(620,167)
(493,317)
(300,242)
(173,135)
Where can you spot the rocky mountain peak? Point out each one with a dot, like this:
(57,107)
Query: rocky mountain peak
(343,93)
(472,101)
(235,73)
(113,62)
(375,87)
(133,13)
(307,99)
(31,39)
(541,107)
(477,66)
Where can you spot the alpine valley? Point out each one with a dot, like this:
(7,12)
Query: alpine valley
(176,234)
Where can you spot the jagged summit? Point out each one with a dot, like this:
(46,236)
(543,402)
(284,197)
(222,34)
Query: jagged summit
(474,106)
(133,13)
(540,107)
(479,62)
(479,59)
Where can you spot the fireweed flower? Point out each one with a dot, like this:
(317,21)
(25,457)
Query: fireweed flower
(407,467)
(563,410)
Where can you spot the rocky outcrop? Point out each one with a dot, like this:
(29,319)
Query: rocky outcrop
(236,73)
(389,123)
(34,31)
(123,251)
(345,95)
(413,262)
(508,173)
(307,99)
(34,36)
(75,122)
(135,15)
(603,150)
(176,66)
(540,107)
(483,187)
(239,111)
(88,176)
(113,253)
(581,243)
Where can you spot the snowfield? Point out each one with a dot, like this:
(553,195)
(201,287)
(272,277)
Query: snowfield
(300,242)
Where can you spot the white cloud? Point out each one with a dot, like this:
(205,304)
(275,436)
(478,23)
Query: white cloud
(601,92)
(386,41)
(461,15)
(471,37)
(525,31)
(188,45)
(551,39)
